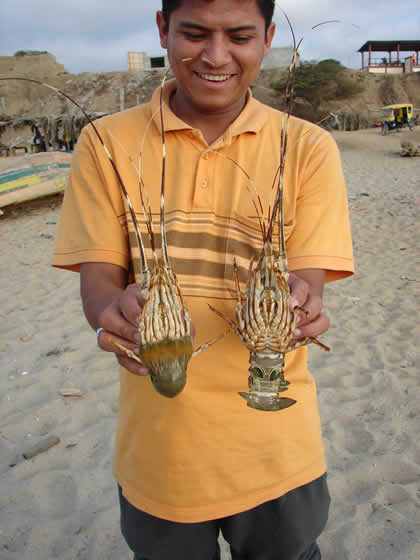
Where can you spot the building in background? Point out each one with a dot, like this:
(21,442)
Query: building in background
(140,61)
(135,61)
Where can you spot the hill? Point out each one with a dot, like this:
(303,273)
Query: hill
(22,103)
(345,91)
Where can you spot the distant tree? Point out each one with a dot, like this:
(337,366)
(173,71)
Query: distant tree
(316,81)
(28,53)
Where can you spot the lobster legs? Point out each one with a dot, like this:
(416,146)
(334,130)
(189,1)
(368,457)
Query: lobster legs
(265,322)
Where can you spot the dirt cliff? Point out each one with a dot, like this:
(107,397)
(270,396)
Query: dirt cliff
(376,90)
(112,91)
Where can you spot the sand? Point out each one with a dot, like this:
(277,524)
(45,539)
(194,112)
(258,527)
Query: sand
(63,502)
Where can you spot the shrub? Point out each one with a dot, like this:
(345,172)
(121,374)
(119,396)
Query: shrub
(324,80)
(25,53)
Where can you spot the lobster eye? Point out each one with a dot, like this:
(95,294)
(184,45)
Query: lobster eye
(274,375)
(257,372)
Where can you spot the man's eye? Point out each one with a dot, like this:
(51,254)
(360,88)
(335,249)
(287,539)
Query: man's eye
(193,36)
(240,38)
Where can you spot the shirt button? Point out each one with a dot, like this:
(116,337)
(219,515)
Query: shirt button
(206,156)
(203,183)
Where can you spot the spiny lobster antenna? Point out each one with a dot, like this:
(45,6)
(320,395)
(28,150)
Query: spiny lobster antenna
(256,199)
(165,256)
(278,201)
(164,242)
(288,100)
(90,120)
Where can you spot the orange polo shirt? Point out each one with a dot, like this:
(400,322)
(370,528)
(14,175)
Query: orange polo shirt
(204,454)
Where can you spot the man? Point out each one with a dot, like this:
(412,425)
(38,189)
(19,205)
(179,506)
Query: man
(203,461)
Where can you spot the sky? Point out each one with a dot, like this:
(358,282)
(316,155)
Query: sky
(95,35)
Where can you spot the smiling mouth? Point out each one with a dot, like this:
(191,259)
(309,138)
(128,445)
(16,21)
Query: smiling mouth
(214,78)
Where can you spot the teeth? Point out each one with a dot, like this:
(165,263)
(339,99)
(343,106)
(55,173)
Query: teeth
(212,78)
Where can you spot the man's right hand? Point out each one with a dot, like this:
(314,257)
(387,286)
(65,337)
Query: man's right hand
(112,305)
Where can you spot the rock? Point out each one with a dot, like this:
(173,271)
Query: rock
(409,149)
(410,143)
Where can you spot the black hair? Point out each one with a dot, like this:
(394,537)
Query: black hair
(266,8)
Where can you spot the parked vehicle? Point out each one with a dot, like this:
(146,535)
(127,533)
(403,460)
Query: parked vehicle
(397,116)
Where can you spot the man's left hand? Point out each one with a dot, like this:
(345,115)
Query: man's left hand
(306,288)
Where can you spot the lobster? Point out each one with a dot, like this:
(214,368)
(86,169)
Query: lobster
(165,327)
(265,319)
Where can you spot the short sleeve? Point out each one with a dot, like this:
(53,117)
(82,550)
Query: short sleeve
(321,237)
(91,225)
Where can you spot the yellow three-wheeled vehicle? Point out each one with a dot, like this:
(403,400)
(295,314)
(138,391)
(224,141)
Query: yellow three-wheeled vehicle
(398,116)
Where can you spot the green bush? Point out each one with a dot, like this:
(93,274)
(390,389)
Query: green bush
(321,80)
(24,53)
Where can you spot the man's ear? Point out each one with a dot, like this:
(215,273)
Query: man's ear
(269,37)
(163,29)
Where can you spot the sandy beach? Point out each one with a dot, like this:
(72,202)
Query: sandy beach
(62,503)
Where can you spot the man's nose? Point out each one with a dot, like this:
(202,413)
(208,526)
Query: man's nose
(216,53)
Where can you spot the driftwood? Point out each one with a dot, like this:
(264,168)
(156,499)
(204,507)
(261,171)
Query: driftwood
(41,446)
(70,392)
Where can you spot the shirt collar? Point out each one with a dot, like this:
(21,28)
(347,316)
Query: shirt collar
(251,119)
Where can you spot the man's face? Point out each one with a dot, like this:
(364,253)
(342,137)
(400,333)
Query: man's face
(225,41)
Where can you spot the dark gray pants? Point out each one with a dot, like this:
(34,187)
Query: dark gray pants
(281,529)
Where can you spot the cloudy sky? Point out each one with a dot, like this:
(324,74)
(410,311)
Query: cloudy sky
(95,35)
